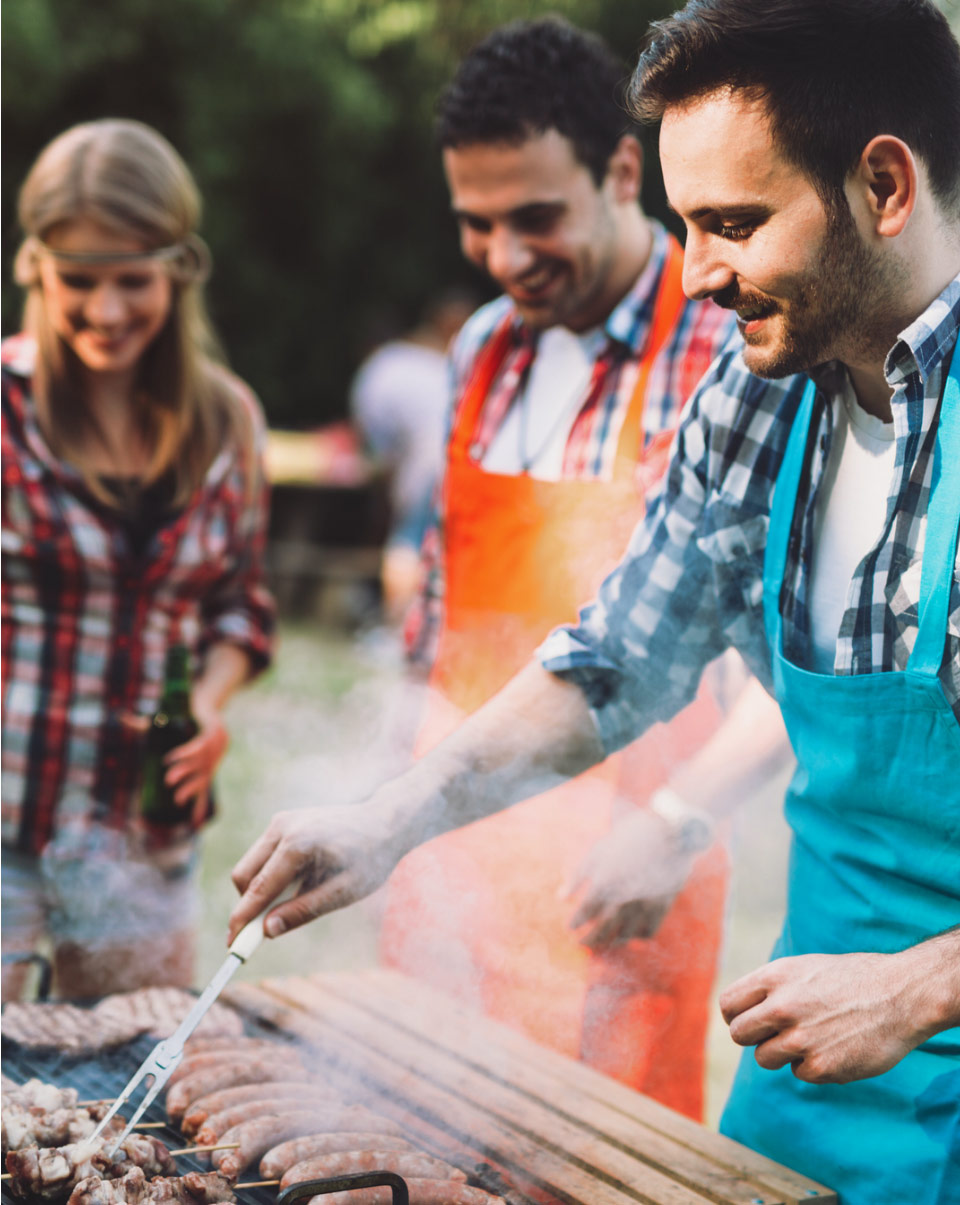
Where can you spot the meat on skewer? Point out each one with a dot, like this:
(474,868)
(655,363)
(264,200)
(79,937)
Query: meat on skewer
(34,1093)
(51,1174)
(133,1188)
(33,1125)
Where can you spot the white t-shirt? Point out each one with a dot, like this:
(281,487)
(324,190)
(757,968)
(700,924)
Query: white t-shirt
(851,511)
(535,431)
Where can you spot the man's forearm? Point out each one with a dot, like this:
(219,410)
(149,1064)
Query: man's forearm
(934,973)
(532,735)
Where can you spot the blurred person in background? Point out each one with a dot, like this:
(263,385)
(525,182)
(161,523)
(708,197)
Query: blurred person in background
(566,395)
(399,401)
(133,519)
(809,517)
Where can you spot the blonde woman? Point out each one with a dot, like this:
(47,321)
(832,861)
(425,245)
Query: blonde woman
(133,518)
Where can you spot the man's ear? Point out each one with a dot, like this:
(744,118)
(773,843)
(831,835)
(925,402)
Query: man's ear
(625,170)
(885,183)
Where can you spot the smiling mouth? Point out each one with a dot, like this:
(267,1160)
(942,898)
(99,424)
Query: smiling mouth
(536,283)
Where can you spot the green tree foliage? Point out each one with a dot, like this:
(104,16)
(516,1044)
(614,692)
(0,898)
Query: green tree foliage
(308,126)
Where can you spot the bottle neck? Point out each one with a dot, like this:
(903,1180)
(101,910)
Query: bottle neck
(176,680)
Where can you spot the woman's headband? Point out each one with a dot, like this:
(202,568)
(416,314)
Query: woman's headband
(189,259)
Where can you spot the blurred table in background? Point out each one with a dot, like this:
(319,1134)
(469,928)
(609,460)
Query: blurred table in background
(329,515)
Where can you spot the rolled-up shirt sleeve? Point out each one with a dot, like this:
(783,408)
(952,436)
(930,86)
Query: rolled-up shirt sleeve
(640,648)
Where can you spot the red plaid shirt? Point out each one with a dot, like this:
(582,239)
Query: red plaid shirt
(87,617)
(699,334)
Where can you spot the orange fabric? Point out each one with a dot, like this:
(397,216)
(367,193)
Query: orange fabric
(477,912)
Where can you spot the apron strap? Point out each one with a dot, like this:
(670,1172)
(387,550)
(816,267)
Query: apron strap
(667,307)
(943,519)
(485,371)
(781,517)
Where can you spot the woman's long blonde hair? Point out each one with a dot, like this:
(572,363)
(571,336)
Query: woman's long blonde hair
(128,178)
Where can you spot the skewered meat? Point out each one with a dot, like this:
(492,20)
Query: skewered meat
(257,1136)
(409,1164)
(422,1192)
(256,1070)
(195,1188)
(37,1094)
(250,1094)
(36,1126)
(115,1020)
(278,1160)
(51,1173)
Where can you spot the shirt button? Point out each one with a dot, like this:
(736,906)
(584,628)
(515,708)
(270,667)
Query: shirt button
(476,451)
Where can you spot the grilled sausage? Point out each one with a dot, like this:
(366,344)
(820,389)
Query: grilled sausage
(257,1136)
(409,1164)
(257,1070)
(204,1060)
(276,1161)
(217,1124)
(240,1045)
(216,1102)
(422,1192)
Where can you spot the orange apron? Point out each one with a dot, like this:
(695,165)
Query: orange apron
(478,912)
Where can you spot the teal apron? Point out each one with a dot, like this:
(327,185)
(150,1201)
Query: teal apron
(874,865)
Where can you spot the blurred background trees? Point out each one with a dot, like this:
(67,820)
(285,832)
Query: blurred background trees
(308,126)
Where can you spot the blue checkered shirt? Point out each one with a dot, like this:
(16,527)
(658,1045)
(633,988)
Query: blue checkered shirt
(691,583)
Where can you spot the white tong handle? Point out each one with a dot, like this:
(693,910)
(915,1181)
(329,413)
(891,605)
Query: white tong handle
(251,935)
(164,1058)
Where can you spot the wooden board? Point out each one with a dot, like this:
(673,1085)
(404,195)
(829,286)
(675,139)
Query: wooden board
(479,1094)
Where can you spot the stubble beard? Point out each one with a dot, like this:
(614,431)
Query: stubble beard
(844,306)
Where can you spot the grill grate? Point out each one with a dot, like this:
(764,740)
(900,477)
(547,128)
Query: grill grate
(101,1077)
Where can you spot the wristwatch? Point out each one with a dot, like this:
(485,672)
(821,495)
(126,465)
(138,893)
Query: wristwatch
(692,828)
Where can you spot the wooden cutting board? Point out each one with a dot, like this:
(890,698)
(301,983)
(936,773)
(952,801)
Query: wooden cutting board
(483,1096)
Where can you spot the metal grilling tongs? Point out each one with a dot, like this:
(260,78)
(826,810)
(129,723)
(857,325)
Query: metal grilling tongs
(165,1057)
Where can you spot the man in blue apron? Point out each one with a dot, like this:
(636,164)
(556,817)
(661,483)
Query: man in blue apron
(809,517)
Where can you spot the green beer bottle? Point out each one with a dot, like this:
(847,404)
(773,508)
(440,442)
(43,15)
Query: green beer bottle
(171,725)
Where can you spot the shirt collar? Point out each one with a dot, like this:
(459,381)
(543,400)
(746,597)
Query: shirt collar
(922,346)
(630,319)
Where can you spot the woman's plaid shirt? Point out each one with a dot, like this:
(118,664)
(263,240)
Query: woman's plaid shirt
(691,583)
(698,335)
(86,621)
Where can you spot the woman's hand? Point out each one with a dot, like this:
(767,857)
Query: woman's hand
(192,765)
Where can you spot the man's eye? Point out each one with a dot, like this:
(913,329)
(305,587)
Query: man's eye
(134,280)
(477,225)
(536,222)
(736,232)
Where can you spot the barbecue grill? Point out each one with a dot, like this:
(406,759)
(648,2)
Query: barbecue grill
(523,1122)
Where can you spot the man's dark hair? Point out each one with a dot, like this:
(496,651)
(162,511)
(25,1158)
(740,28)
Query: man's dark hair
(529,77)
(832,73)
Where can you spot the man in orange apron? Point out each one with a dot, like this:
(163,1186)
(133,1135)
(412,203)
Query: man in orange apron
(569,388)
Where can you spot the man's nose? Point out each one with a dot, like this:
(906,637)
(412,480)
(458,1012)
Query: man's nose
(105,305)
(705,269)
(507,254)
